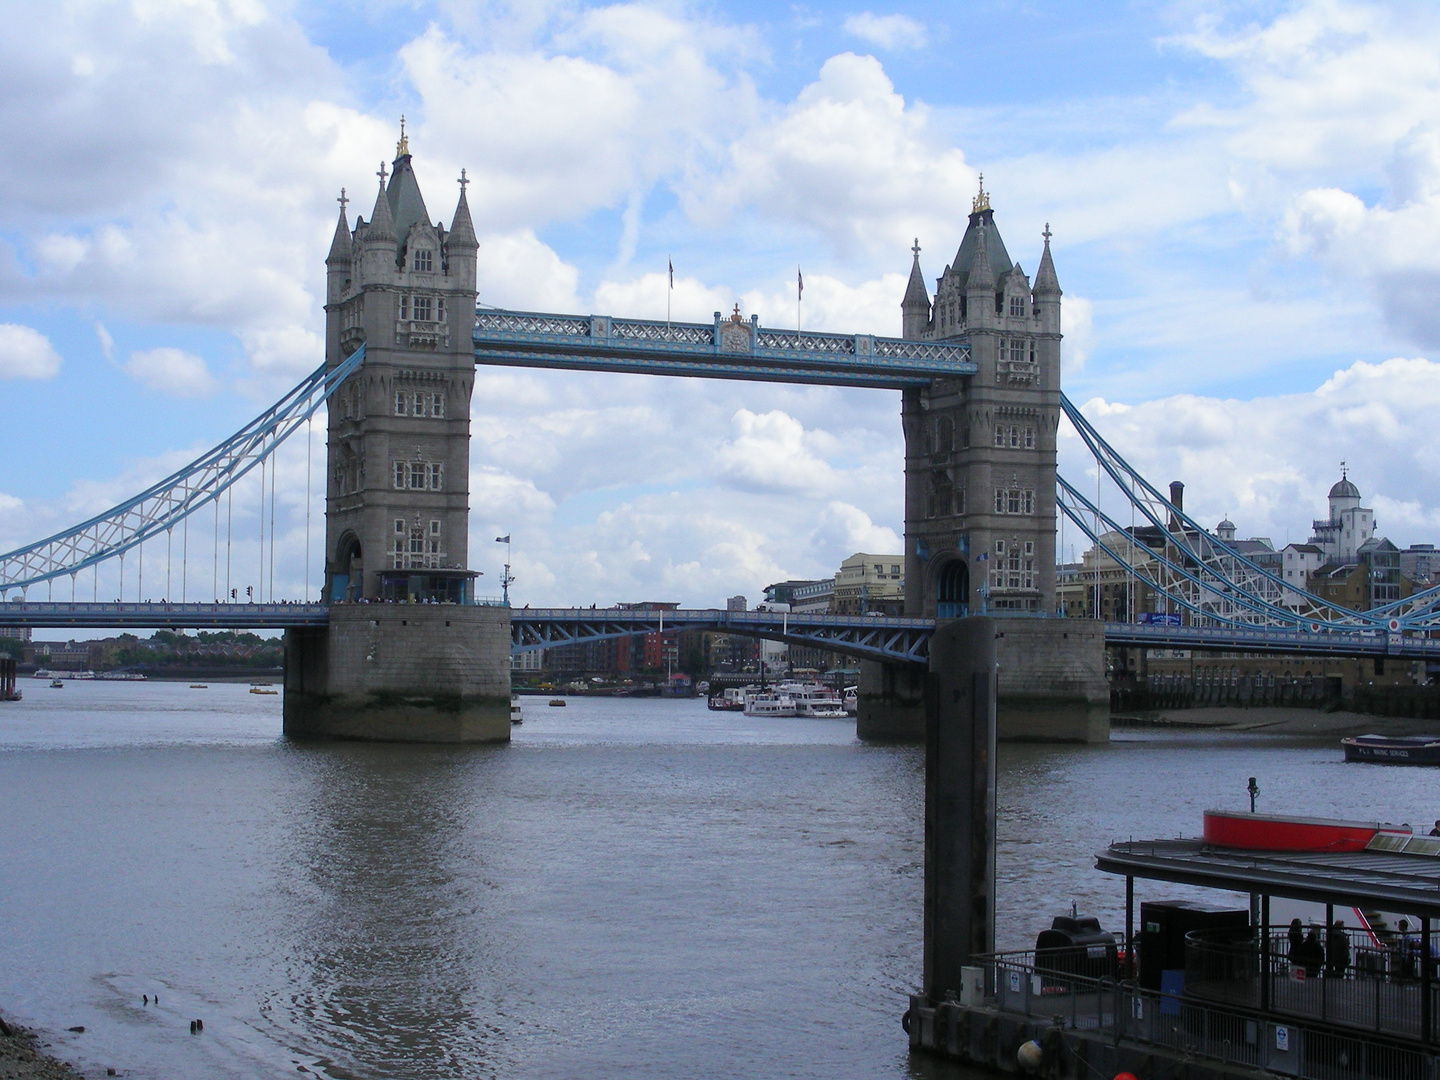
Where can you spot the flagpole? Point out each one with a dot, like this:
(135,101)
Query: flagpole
(670,288)
(799,292)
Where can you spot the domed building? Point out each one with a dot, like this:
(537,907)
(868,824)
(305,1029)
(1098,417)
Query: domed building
(1350,525)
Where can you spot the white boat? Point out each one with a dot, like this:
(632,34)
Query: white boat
(769,703)
(852,700)
(121,676)
(814,700)
(731,699)
(515,715)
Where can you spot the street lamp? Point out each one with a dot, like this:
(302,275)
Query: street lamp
(505,578)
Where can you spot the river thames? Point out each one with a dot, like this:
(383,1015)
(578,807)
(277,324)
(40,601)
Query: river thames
(632,888)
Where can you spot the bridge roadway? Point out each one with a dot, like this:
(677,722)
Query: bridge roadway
(891,640)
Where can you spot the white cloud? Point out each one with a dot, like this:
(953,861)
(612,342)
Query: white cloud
(107,342)
(887,31)
(517,270)
(848,159)
(1269,462)
(773,452)
(26,353)
(842,526)
(172,371)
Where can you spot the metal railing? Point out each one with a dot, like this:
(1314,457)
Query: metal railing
(1349,977)
(1183,1023)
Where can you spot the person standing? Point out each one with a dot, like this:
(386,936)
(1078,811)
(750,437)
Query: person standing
(1296,954)
(1337,951)
(1314,954)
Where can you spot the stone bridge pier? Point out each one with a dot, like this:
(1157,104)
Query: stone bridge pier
(1052,686)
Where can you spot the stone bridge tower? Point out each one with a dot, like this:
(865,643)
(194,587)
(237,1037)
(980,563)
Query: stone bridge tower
(980,450)
(408,654)
(980,497)
(398,494)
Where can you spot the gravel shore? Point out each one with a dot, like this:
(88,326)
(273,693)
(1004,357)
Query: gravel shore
(1275,721)
(22,1058)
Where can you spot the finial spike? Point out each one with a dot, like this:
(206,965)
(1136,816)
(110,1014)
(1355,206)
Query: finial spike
(343,201)
(1047,234)
(382,174)
(981,200)
(916,248)
(402,148)
(463,182)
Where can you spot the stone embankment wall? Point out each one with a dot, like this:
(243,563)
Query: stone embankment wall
(401,672)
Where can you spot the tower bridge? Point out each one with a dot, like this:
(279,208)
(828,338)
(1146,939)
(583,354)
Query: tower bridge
(399,645)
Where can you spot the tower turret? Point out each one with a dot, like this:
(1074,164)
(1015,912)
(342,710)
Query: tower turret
(980,287)
(337,263)
(915,308)
(377,246)
(460,242)
(1047,289)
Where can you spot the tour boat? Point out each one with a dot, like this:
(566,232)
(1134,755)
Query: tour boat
(558,702)
(56,684)
(263,690)
(769,703)
(851,698)
(1393,749)
(813,700)
(732,699)
(515,717)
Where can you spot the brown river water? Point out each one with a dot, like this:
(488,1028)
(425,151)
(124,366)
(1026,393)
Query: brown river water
(632,888)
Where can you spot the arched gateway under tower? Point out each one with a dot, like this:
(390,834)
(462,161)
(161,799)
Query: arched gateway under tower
(407,654)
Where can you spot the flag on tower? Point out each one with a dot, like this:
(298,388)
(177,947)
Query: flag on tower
(799,284)
(503,539)
(671,264)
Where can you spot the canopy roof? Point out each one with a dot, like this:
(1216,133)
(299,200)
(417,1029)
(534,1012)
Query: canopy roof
(1407,882)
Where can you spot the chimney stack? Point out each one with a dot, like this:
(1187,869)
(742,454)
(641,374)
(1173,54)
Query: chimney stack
(1177,500)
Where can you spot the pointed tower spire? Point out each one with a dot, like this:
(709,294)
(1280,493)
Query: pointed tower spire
(915,308)
(915,291)
(382,224)
(462,229)
(1046,283)
(340,245)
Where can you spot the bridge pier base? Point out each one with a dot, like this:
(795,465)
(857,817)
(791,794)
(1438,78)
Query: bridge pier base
(1052,686)
(891,702)
(401,673)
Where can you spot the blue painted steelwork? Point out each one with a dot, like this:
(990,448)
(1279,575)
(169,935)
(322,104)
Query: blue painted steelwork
(164,505)
(160,616)
(727,349)
(1207,576)
(895,640)
(1273,640)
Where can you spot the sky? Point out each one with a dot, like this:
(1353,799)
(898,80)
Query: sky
(1245,202)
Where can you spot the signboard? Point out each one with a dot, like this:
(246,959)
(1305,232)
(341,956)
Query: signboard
(1158,618)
